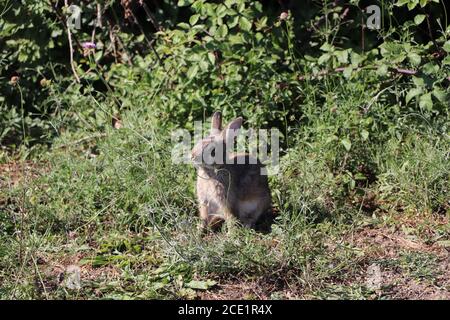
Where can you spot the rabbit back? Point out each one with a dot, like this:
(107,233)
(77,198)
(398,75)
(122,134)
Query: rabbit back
(237,189)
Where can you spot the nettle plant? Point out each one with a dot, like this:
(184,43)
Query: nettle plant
(415,51)
(229,56)
(405,65)
(428,62)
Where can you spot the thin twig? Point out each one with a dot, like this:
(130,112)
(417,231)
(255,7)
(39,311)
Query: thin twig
(98,23)
(151,17)
(149,42)
(61,19)
(316,24)
(39,276)
(404,71)
(69,35)
(430,34)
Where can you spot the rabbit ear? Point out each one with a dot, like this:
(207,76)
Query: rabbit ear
(233,126)
(216,123)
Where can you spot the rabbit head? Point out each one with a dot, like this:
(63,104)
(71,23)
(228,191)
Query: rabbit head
(211,152)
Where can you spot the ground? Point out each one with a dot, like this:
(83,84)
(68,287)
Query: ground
(392,256)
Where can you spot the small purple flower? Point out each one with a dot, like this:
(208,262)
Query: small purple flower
(89,45)
(284,15)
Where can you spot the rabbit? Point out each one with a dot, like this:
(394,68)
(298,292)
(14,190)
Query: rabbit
(228,190)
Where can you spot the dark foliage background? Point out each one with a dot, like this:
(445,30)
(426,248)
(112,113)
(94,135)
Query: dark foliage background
(34,48)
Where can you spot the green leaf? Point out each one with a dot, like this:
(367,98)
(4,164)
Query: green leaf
(326,47)
(212,30)
(212,58)
(241,6)
(233,21)
(331,139)
(419,19)
(447,46)
(184,25)
(347,144)
(414,58)
(348,72)
(203,65)
(419,82)
(324,58)
(446,61)
(413,93)
(56,33)
(201,285)
(440,94)
(352,184)
(98,55)
(356,59)
(236,39)
(245,24)
(359,176)
(193,19)
(221,11)
(430,68)
(411,5)
(261,23)
(400,3)
(382,70)
(184,3)
(198,6)
(426,102)
(342,56)
(222,31)
(192,71)
(364,134)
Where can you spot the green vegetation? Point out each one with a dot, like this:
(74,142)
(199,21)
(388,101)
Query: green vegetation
(87,184)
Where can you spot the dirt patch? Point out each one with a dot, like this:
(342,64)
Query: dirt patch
(393,280)
(388,241)
(406,266)
(393,265)
(259,289)
(398,286)
(55,272)
(385,243)
(14,173)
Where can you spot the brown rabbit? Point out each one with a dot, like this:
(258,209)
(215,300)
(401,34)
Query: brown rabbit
(228,185)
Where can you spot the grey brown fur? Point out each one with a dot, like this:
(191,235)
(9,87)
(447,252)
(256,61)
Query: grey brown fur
(229,190)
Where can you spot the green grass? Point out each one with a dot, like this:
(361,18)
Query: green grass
(118,208)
